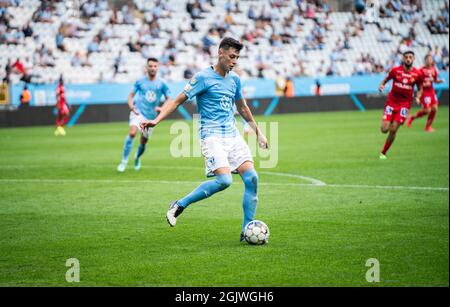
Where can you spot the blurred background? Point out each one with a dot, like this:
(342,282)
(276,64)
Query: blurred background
(293,48)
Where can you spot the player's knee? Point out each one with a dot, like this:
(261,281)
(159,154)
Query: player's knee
(132,134)
(250,179)
(393,130)
(224,181)
(384,129)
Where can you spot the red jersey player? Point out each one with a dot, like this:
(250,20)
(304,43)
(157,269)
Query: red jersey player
(398,104)
(429,100)
(63,109)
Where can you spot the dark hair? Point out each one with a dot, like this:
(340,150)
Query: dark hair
(152,60)
(408,52)
(229,42)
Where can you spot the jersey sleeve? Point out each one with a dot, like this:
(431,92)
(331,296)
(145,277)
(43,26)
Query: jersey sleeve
(195,86)
(390,75)
(238,95)
(136,87)
(165,90)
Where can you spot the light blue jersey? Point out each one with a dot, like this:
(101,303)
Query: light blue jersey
(148,95)
(216,96)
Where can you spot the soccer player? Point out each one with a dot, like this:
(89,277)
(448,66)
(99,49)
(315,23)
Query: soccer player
(217,90)
(429,99)
(398,104)
(62,116)
(144,101)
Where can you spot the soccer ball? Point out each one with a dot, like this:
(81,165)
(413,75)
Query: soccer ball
(256,233)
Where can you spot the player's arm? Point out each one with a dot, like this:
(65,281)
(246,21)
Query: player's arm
(244,111)
(437,80)
(166,93)
(385,80)
(131,103)
(419,93)
(168,107)
(436,77)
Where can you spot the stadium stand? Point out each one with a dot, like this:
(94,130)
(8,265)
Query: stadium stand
(93,41)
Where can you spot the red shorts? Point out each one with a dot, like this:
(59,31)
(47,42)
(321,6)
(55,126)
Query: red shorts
(64,110)
(396,112)
(428,100)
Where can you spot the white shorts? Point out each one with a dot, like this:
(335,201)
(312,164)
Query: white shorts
(221,152)
(135,120)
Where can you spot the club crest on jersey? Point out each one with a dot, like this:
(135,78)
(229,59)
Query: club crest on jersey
(405,81)
(225,102)
(210,162)
(193,81)
(150,96)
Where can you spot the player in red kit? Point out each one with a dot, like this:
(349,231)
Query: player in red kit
(62,116)
(429,99)
(398,104)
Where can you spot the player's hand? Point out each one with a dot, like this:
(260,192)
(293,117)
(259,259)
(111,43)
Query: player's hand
(134,111)
(417,100)
(381,88)
(262,141)
(158,109)
(147,124)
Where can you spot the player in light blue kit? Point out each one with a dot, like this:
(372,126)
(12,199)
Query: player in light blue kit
(144,101)
(218,89)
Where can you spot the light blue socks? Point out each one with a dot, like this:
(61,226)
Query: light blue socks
(206,189)
(250,199)
(127,146)
(140,150)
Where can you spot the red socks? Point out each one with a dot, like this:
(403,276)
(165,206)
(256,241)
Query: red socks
(419,114)
(431,118)
(386,147)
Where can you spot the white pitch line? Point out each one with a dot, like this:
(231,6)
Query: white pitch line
(312,180)
(119,181)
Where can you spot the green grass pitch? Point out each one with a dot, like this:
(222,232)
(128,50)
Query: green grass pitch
(61,197)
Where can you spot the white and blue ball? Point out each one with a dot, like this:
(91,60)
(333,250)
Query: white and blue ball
(256,233)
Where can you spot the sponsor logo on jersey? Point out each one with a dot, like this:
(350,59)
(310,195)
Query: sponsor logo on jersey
(226,102)
(150,96)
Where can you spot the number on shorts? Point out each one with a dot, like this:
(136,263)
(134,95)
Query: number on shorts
(388,110)
(404,112)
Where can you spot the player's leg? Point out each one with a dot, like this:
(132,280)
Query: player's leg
(206,189)
(395,125)
(431,117)
(221,181)
(215,154)
(385,126)
(63,122)
(250,198)
(145,135)
(422,112)
(241,160)
(57,122)
(127,146)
